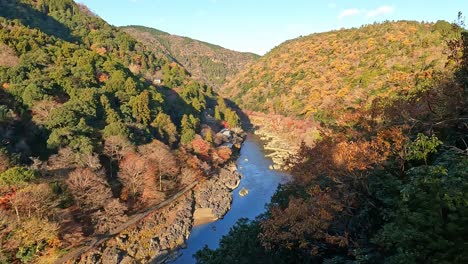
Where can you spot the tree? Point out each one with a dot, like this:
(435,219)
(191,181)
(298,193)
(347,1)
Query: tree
(422,147)
(221,104)
(208,135)
(115,147)
(224,153)
(188,124)
(240,245)
(89,189)
(428,211)
(140,108)
(36,200)
(32,236)
(94,197)
(231,118)
(166,130)
(112,215)
(16,176)
(133,169)
(217,114)
(201,147)
(160,154)
(304,224)
(110,114)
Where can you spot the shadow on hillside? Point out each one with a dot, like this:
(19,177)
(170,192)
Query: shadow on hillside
(19,134)
(174,105)
(13,9)
(245,121)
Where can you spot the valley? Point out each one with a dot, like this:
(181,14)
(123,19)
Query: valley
(127,144)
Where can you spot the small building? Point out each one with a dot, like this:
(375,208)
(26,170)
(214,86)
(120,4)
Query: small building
(157,81)
(226,132)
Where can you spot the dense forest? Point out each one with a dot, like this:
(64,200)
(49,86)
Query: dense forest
(327,75)
(99,124)
(86,137)
(386,180)
(209,63)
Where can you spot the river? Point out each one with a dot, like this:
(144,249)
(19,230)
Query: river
(258,179)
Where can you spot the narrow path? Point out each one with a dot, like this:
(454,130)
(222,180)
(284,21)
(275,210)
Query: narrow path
(94,241)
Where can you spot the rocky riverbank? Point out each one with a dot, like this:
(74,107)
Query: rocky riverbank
(277,148)
(154,238)
(213,199)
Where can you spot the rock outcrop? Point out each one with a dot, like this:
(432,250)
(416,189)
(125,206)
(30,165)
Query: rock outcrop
(243,192)
(153,237)
(278,149)
(215,193)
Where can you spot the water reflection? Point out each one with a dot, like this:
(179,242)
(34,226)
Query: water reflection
(261,183)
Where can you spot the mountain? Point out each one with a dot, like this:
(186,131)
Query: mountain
(386,172)
(87,139)
(325,75)
(209,63)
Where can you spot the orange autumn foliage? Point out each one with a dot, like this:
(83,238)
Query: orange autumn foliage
(102,77)
(201,147)
(99,50)
(291,226)
(224,153)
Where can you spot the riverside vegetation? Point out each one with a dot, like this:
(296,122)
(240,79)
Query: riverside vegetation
(87,140)
(98,126)
(385,180)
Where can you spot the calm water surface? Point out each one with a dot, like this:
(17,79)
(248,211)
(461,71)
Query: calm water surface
(258,179)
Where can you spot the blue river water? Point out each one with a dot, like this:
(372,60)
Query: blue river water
(258,179)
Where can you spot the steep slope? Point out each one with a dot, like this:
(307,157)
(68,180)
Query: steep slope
(390,179)
(86,139)
(324,75)
(209,63)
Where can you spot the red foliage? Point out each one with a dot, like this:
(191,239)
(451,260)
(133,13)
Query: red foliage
(225,124)
(193,162)
(5,86)
(5,199)
(201,147)
(224,153)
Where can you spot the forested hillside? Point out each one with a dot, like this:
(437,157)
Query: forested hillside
(387,180)
(209,63)
(86,139)
(328,75)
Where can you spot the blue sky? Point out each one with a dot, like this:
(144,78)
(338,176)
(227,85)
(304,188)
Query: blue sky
(259,25)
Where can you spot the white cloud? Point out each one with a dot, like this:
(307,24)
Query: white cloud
(379,11)
(383,10)
(349,12)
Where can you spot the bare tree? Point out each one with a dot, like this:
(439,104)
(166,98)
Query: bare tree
(34,200)
(159,153)
(110,217)
(115,148)
(133,168)
(89,189)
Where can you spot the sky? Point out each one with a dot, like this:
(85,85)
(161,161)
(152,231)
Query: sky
(259,25)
